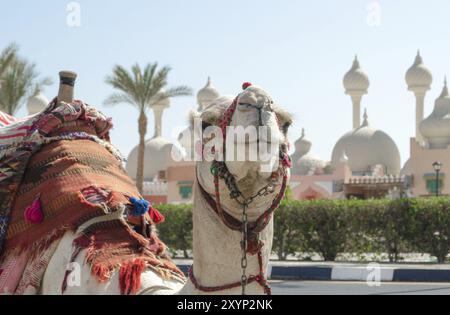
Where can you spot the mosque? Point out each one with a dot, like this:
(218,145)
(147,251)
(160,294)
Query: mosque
(365,161)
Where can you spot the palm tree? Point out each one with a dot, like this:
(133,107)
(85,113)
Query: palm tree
(142,88)
(18,80)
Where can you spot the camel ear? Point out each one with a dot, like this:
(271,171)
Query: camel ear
(285,119)
(212,114)
(195,117)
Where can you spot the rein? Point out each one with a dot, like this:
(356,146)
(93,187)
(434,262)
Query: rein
(251,243)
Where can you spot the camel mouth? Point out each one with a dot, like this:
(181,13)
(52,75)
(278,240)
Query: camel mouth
(252,182)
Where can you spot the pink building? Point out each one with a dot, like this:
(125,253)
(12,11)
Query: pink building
(432,146)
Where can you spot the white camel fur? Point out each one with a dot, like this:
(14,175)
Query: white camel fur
(216,249)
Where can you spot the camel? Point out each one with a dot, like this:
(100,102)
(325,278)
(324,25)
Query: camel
(234,203)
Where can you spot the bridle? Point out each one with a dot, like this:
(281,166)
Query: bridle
(250,241)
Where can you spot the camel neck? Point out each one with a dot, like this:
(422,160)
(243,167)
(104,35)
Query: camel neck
(217,251)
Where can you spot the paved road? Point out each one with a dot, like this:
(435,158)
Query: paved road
(353,288)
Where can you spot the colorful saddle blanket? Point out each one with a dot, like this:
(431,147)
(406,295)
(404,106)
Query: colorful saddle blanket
(62,159)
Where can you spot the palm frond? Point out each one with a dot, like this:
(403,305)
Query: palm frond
(149,75)
(39,85)
(177,91)
(118,98)
(18,82)
(7,56)
(160,80)
(122,80)
(172,92)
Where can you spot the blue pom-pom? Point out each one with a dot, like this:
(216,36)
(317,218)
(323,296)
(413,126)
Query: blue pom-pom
(140,206)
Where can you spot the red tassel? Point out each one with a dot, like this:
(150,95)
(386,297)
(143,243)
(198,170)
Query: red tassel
(33,213)
(246,85)
(101,272)
(156,216)
(130,276)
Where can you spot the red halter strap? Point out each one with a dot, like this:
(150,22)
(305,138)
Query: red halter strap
(260,279)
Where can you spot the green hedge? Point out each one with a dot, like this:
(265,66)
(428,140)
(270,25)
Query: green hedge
(331,227)
(176,231)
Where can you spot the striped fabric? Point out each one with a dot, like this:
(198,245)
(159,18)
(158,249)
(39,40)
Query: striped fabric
(6,119)
(18,140)
(13,131)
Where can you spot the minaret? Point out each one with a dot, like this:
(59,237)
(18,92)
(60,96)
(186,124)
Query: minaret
(433,128)
(356,84)
(66,86)
(419,80)
(160,104)
(207,95)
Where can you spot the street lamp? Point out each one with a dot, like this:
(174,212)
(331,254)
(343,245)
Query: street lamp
(437,168)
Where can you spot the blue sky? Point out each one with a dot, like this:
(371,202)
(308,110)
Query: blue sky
(298,50)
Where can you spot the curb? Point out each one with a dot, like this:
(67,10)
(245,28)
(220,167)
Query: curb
(364,273)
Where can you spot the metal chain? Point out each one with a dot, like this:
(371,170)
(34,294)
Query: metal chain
(265,191)
(244,242)
(219,169)
(222,171)
(244,246)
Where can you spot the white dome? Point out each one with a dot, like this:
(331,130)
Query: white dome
(157,158)
(157,100)
(436,127)
(208,94)
(418,76)
(37,103)
(304,162)
(366,147)
(356,80)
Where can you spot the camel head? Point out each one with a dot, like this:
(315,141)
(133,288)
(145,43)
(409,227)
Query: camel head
(246,139)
